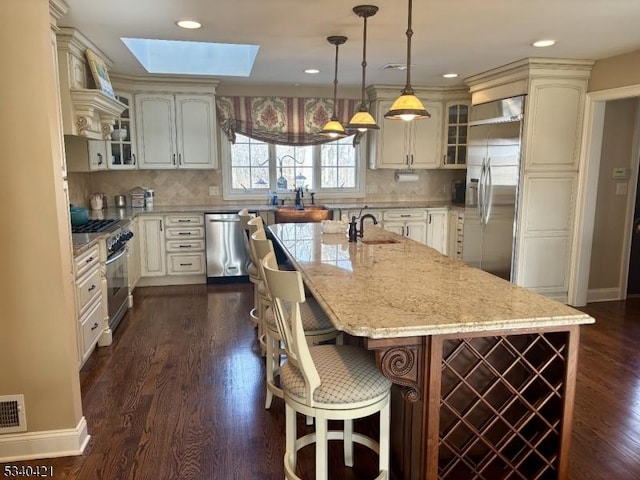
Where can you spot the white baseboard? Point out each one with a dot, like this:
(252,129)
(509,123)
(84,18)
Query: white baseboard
(603,295)
(45,444)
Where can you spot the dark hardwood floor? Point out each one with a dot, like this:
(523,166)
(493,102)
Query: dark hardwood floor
(180,395)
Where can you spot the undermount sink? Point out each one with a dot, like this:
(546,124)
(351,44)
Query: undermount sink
(381,241)
(310,213)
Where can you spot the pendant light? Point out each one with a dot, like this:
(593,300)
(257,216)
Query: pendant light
(334,128)
(362,120)
(407,106)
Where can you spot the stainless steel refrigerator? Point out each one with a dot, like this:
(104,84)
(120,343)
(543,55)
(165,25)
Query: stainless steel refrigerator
(493,172)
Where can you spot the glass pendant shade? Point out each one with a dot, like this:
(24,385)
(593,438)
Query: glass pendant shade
(407,106)
(333,128)
(362,120)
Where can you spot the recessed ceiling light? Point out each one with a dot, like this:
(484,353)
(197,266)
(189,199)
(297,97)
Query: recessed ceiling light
(544,43)
(312,71)
(188,24)
(450,75)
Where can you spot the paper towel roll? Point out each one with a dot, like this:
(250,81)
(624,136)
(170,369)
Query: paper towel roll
(406,177)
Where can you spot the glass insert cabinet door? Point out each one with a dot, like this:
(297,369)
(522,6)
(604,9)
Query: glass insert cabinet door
(121,145)
(456,132)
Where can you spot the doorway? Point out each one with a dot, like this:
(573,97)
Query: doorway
(633,279)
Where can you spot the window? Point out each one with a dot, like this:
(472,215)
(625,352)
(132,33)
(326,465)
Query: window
(333,169)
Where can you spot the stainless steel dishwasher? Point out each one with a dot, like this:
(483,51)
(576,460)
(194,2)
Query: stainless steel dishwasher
(227,248)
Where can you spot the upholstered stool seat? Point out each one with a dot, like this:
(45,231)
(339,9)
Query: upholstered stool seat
(347,375)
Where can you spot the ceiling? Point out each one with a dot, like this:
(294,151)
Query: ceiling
(462,36)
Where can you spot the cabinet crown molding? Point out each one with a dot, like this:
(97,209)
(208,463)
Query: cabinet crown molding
(526,68)
(390,92)
(163,84)
(57,9)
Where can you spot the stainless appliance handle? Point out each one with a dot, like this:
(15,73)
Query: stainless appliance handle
(481,192)
(488,201)
(116,256)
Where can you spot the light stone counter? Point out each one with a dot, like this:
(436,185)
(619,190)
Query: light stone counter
(408,289)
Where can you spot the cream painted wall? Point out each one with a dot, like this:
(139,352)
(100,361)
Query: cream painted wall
(38,350)
(615,72)
(608,236)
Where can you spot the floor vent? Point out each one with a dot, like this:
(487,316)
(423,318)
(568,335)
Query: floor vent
(12,415)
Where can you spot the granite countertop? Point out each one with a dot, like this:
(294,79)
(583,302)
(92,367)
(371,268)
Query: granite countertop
(408,289)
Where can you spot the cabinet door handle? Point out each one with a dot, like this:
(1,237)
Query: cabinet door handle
(403,230)
(95,325)
(429,219)
(134,158)
(160,225)
(412,159)
(91,288)
(99,159)
(88,260)
(407,230)
(174,158)
(179,159)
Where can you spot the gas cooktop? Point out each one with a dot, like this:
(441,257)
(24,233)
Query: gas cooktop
(95,226)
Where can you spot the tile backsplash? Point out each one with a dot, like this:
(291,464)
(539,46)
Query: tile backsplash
(191,187)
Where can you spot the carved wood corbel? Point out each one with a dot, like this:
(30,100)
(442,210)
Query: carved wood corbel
(402,366)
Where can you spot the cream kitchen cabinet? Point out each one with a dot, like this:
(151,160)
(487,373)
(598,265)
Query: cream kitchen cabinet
(176,131)
(406,145)
(456,234)
(133,257)
(153,261)
(437,229)
(408,223)
(84,155)
(90,305)
(185,244)
(121,147)
(456,116)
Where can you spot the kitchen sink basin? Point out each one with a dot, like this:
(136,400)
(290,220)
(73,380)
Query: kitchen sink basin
(381,241)
(311,213)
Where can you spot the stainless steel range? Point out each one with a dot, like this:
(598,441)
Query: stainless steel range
(115,265)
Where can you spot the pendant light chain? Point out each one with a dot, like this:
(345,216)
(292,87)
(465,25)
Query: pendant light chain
(334,128)
(408,88)
(364,60)
(335,85)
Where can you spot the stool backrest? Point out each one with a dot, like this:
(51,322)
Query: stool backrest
(253,225)
(261,247)
(287,293)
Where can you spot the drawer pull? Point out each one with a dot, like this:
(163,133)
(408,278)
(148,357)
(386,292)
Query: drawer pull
(95,325)
(405,215)
(186,264)
(91,288)
(182,220)
(185,246)
(89,260)
(184,233)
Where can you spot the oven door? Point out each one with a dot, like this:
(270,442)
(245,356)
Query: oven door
(117,286)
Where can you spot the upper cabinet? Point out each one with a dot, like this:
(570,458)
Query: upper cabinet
(176,130)
(86,111)
(418,144)
(121,145)
(455,130)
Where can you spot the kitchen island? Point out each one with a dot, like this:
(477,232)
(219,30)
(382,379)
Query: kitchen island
(485,369)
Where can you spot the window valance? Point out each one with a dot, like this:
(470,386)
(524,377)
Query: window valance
(281,120)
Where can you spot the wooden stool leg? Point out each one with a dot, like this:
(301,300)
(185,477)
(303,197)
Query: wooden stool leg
(291,436)
(269,358)
(348,443)
(321,449)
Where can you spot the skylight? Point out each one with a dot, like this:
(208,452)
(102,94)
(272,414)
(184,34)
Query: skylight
(193,58)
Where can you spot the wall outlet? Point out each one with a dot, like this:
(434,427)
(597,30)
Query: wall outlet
(214,191)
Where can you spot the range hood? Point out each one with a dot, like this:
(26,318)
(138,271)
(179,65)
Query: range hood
(86,112)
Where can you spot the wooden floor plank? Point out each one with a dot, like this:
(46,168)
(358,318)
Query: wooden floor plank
(180,395)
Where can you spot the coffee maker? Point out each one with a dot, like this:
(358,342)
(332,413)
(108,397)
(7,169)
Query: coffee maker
(458,191)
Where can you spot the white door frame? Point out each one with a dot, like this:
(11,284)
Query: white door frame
(588,184)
